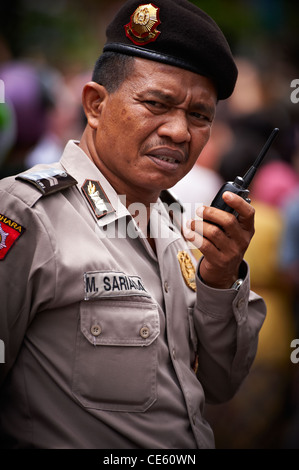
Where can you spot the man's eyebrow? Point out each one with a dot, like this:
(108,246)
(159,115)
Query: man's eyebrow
(161,95)
(199,106)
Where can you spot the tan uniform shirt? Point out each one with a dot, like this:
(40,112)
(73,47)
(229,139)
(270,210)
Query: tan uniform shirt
(101,334)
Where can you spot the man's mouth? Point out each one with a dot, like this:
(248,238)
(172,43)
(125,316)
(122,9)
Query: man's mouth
(166,157)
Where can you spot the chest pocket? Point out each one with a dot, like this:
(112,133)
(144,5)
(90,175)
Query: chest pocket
(116,355)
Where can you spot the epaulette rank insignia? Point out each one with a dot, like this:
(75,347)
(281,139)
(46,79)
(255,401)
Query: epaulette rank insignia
(49,180)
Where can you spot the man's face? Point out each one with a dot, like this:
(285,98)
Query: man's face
(151,131)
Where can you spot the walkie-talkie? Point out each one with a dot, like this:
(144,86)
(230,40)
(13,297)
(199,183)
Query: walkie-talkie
(240,185)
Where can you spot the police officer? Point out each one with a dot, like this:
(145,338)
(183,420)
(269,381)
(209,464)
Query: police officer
(113,337)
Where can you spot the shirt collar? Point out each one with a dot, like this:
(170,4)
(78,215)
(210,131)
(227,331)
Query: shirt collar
(76,163)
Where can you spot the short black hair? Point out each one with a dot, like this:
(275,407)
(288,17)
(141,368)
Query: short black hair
(111,69)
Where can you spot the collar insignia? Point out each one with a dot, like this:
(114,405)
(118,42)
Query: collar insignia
(141,29)
(97,198)
(188,269)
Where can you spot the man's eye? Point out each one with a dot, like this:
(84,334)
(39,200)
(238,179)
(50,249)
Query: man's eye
(154,105)
(201,117)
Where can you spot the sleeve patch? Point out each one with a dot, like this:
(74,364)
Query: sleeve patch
(10,231)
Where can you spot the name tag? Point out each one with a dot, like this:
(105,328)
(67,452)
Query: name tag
(99,284)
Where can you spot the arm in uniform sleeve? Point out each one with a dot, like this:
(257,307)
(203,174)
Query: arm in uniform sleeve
(26,271)
(227,323)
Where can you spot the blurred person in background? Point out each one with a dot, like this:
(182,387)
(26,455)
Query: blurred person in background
(289,264)
(65,118)
(46,113)
(30,104)
(7,130)
(261,407)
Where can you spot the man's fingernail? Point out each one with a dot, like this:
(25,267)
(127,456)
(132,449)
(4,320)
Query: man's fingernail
(199,211)
(228,195)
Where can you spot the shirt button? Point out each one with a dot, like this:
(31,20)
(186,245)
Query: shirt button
(166,286)
(241,303)
(144,332)
(96,330)
(173,354)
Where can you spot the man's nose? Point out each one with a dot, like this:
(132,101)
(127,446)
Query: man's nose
(176,127)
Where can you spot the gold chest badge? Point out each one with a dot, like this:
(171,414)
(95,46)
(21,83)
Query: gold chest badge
(141,29)
(188,269)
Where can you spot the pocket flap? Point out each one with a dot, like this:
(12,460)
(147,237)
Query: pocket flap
(119,322)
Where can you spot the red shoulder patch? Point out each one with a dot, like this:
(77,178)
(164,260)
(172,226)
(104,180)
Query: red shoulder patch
(10,231)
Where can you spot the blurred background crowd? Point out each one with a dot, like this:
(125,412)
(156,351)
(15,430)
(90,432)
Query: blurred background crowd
(47,52)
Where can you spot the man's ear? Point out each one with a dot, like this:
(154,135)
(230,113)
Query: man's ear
(93,98)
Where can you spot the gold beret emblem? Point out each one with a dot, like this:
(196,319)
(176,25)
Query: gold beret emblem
(141,29)
(187,268)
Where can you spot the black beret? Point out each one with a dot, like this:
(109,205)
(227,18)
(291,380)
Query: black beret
(175,32)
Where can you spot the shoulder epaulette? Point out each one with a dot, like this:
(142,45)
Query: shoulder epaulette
(49,180)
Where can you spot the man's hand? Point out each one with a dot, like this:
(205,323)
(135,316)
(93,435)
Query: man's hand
(223,240)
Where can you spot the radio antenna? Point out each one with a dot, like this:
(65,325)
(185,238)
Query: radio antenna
(252,170)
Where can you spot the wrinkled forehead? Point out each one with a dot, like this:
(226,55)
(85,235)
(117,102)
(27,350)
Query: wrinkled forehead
(168,83)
